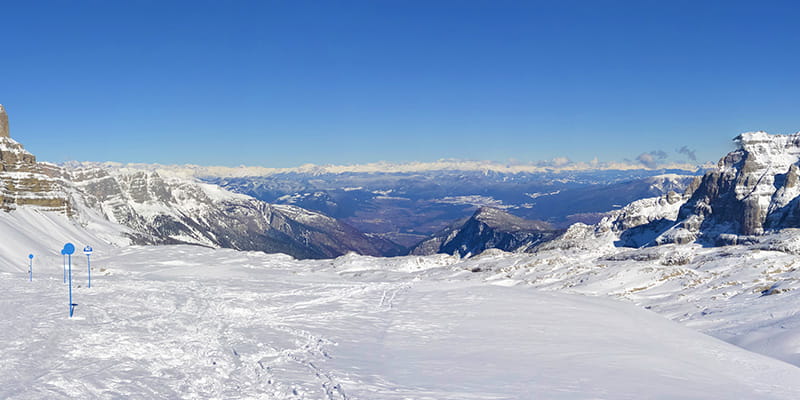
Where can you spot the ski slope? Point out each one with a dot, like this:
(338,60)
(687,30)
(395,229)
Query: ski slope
(190,322)
(195,323)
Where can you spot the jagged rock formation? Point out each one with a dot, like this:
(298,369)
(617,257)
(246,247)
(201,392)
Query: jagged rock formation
(488,228)
(23,181)
(755,189)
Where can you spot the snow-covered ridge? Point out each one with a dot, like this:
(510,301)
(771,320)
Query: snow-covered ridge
(10,145)
(172,208)
(754,190)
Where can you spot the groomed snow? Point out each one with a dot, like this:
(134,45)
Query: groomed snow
(196,323)
(190,322)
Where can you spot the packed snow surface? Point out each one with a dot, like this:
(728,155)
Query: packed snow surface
(196,323)
(189,322)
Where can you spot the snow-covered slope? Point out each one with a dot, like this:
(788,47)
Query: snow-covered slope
(43,233)
(185,322)
(174,209)
(566,322)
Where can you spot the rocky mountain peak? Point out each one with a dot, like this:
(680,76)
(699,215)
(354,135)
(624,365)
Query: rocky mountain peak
(3,122)
(23,181)
(487,228)
(497,218)
(754,189)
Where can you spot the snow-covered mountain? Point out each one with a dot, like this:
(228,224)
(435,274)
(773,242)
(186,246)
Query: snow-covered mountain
(155,209)
(754,190)
(168,210)
(488,228)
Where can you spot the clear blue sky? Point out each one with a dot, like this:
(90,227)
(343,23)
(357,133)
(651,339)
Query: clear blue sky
(282,83)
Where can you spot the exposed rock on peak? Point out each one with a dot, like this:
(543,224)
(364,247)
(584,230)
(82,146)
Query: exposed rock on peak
(3,122)
(23,181)
(499,219)
(487,228)
(749,191)
(754,189)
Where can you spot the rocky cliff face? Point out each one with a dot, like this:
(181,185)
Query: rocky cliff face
(3,122)
(23,181)
(754,189)
(487,228)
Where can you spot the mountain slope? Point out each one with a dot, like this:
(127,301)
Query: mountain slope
(177,210)
(488,228)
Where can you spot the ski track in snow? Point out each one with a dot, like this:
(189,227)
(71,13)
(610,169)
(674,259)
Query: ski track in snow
(170,332)
(192,323)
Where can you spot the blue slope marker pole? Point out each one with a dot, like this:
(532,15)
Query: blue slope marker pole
(69,248)
(30,267)
(88,251)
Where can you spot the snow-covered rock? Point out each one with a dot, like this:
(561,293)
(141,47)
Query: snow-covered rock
(752,190)
(488,228)
(23,181)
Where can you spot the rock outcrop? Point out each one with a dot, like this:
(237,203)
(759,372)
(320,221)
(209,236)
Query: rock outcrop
(3,122)
(755,189)
(23,181)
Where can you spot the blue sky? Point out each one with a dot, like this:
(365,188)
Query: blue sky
(283,83)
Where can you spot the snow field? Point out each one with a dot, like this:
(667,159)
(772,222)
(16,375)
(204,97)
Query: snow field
(195,323)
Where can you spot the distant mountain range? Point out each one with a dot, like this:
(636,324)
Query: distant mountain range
(407,208)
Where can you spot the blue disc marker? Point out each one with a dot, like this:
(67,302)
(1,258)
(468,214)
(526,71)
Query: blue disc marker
(30,267)
(69,248)
(88,251)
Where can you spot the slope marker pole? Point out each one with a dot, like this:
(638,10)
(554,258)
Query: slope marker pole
(30,267)
(69,249)
(88,251)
